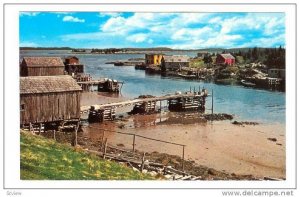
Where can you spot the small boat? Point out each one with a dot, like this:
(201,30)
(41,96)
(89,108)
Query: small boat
(118,63)
(247,83)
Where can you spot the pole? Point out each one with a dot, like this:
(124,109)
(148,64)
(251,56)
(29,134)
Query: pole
(182,158)
(143,162)
(105,148)
(102,139)
(133,144)
(212,101)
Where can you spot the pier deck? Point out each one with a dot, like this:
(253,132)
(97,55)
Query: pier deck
(144,100)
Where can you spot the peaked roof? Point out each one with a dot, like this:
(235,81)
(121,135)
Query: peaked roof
(227,56)
(176,58)
(47,84)
(43,61)
(70,57)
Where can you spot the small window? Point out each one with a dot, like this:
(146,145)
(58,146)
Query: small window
(22,107)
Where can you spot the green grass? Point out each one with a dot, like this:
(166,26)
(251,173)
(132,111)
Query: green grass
(45,159)
(197,63)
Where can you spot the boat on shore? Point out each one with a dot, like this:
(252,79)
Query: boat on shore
(247,83)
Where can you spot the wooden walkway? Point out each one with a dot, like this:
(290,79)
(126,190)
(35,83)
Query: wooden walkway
(85,109)
(94,82)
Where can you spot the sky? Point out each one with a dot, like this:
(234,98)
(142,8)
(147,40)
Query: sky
(142,30)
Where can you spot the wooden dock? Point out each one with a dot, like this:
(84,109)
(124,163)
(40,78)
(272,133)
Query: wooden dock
(176,102)
(105,85)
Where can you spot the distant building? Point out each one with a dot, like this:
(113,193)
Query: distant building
(175,62)
(225,59)
(41,66)
(45,99)
(153,58)
(202,54)
(276,73)
(72,65)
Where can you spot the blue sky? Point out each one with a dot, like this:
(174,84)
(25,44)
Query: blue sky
(174,30)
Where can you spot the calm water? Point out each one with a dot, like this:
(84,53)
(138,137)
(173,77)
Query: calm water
(245,103)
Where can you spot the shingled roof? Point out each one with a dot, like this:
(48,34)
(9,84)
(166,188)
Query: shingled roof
(227,56)
(43,61)
(176,58)
(47,84)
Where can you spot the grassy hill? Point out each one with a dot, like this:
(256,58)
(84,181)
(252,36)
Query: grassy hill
(45,159)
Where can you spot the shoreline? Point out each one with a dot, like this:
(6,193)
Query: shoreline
(258,150)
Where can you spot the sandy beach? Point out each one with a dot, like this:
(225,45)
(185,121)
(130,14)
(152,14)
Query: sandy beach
(258,150)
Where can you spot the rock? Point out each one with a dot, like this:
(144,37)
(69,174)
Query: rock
(273,139)
(168,176)
(212,171)
(153,173)
(135,169)
(144,171)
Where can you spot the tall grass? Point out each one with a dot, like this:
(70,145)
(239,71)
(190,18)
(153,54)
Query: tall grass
(45,159)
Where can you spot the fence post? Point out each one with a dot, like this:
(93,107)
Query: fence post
(105,148)
(40,129)
(183,158)
(212,101)
(102,140)
(133,143)
(54,137)
(143,162)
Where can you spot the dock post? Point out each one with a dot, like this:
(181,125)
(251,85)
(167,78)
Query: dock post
(133,143)
(183,157)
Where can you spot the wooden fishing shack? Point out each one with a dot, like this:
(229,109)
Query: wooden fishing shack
(73,66)
(49,99)
(41,66)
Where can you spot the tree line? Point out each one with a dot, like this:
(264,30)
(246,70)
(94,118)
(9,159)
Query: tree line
(271,57)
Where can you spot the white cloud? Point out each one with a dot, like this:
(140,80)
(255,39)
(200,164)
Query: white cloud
(137,38)
(28,44)
(109,14)
(73,19)
(188,30)
(29,13)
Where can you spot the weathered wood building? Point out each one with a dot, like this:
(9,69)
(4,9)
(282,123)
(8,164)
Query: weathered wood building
(41,66)
(225,59)
(73,66)
(46,99)
(174,62)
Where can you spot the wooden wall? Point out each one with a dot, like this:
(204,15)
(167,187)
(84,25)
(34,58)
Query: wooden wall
(41,71)
(50,107)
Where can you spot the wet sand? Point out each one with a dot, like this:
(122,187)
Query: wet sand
(219,144)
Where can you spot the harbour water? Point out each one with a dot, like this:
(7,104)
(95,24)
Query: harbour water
(247,104)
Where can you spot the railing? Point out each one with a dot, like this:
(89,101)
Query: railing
(134,137)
